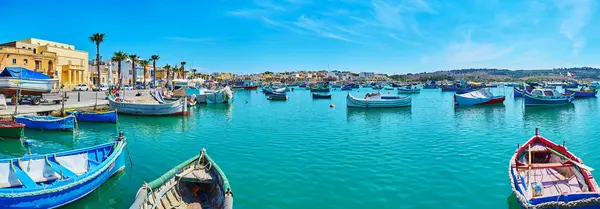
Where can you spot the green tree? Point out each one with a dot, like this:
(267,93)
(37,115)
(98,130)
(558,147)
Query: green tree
(182,71)
(154,58)
(97,38)
(167,67)
(119,57)
(144,63)
(133,58)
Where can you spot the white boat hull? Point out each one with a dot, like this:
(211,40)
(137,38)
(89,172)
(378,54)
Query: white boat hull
(352,101)
(28,86)
(172,108)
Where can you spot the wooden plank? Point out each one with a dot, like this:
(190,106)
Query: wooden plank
(24,178)
(542,165)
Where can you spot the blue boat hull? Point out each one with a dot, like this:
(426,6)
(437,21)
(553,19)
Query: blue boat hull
(63,124)
(544,102)
(581,94)
(517,92)
(87,183)
(103,117)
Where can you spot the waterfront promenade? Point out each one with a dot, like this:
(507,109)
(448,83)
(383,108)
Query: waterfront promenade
(87,99)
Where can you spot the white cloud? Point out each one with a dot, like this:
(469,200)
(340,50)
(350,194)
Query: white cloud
(576,15)
(318,27)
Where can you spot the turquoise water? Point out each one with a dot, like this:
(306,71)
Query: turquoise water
(304,154)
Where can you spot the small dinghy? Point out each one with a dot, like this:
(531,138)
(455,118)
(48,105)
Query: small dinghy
(518,92)
(376,100)
(408,90)
(195,183)
(546,175)
(11,129)
(277,96)
(56,179)
(318,95)
(94,116)
(543,97)
(582,92)
(479,97)
(47,122)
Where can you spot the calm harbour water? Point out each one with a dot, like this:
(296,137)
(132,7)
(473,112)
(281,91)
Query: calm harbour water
(304,154)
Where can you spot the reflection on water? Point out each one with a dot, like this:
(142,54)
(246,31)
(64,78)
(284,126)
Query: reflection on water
(40,137)
(513,202)
(225,110)
(377,114)
(561,113)
(11,148)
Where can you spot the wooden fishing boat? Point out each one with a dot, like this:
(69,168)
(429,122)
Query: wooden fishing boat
(94,116)
(479,97)
(448,88)
(320,89)
(542,97)
(546,175)
(347,88)
(378,101)
(47,122)
(169,108)
(250,87)
(408,90)
(56,179)
(277,96)
(388,88)
(219,96)
(11,129)
(518,92)
(464,90)
(318,95)
(196,183)
(582,92)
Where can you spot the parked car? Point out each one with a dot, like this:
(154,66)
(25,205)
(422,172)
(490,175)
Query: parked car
(103,87)
(127,87)
(139,86)
(81,87)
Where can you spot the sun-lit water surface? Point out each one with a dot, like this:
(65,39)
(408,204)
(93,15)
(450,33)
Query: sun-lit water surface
(304,154)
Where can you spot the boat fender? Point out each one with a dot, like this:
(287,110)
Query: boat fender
(121,136)
(332,105)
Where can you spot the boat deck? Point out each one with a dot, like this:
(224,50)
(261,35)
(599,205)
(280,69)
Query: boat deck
(553,182)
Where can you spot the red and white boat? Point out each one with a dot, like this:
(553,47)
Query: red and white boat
(546,175)
(479,97)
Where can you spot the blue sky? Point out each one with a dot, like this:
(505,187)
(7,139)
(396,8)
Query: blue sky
(248,36)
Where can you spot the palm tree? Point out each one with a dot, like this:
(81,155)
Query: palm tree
(168,68)
(97,38)
(194,73)
(182,72)
(154,58)
(175,71)
(144,63)
(119,57)
(133,58)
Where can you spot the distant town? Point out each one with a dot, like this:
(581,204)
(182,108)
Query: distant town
(72,67)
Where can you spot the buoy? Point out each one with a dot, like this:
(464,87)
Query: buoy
(28,143)
(331,105)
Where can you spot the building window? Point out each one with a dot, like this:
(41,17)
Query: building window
(14,61)
(50,65)
(37,65)
(24,61)
(34,51)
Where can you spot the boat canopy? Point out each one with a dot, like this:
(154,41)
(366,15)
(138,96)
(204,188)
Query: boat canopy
(22,73)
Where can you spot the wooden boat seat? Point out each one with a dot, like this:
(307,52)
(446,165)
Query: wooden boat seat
(543,165)
(61,170)
(196,176)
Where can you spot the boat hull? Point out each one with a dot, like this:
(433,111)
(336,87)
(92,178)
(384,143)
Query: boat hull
(60,195)
(517,92)
(173,108)
(409,91)
(536,100)
(564,200)
(57,124)
(581,93)
(479,101)
(12,130)
(9,86)
(153,192)
(367,103)
(250,87)
(320,90)
(95,116)
(321,96)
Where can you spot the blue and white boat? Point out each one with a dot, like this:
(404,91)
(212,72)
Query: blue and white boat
(178,107)
(543,97)
(47,122)
(376,100)
(94,116)
(56,179)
